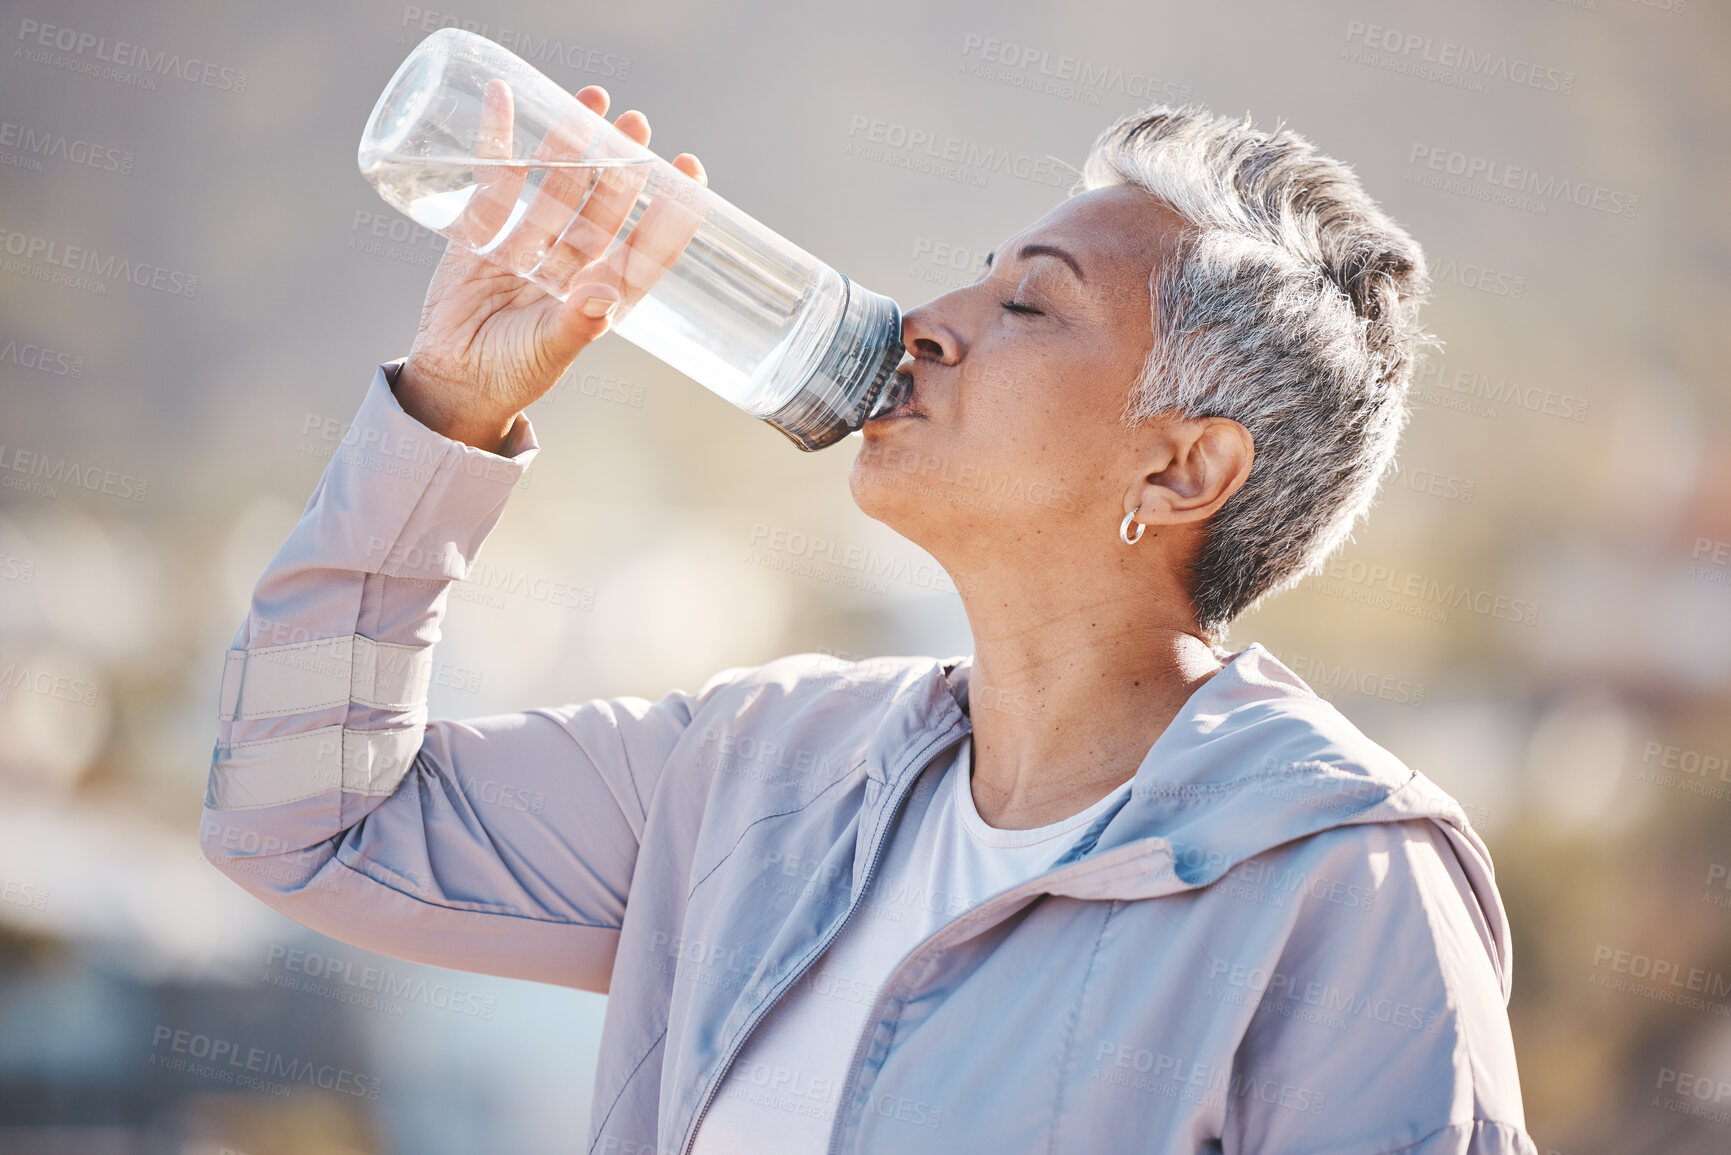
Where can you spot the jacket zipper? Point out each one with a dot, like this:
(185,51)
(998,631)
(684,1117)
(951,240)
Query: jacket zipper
(775,996)
(1008,901)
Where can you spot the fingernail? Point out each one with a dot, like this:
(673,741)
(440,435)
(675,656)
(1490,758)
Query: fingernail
(599,306)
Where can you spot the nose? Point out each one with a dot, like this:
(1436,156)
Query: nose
(927,337)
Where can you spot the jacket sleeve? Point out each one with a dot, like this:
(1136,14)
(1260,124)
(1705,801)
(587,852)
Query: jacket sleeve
(1381,1029)
(503,845)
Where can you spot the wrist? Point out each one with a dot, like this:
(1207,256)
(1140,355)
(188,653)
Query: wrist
(449,411)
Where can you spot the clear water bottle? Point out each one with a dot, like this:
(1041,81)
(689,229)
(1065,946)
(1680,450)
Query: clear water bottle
(474,143)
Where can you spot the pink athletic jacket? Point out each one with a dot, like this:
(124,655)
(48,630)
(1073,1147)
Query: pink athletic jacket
(1283,941)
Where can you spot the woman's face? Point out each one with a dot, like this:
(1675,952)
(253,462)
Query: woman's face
(1013,428)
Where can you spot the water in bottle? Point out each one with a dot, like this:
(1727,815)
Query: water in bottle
(474,143)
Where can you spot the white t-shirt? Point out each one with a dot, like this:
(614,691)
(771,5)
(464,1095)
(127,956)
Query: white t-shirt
(780,1093)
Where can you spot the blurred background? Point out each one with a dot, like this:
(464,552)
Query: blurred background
(1537,614)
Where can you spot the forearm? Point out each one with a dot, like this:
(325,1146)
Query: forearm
(323,698)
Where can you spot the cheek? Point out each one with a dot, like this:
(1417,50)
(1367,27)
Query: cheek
(1034,418)
(1024,460)
(1066,448)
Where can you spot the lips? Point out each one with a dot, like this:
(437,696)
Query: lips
(897,399)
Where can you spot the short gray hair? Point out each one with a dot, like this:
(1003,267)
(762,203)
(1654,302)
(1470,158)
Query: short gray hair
(1290,307)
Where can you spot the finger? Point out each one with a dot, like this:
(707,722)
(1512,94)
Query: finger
(688,164)
(603,205)
(595,98)
(667,225)
(593,228)
(498,110)
(559,195)
(497,186)
(634,125)
(581,207)
(614,195)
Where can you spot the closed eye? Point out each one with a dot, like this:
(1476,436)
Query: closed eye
(1015,308)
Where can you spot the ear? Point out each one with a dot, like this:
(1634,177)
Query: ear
(1190,468)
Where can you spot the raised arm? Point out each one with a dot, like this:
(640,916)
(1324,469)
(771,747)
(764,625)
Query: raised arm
(503,845)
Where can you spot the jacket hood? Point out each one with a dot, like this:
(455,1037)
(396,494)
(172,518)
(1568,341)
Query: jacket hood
(1253,760)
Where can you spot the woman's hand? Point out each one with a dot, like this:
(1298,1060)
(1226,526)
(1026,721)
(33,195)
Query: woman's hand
(490,342)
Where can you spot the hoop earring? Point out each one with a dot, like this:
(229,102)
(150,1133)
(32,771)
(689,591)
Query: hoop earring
(1124,528)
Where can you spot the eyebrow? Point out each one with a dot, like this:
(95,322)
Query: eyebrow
(1038,250)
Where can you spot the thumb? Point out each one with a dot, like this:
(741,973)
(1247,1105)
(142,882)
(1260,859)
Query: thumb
(584,316)
(596,302)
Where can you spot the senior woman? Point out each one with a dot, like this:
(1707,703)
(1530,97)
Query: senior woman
(1102,886)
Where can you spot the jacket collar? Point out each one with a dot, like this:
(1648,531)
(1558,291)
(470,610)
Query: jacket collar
(1253,759)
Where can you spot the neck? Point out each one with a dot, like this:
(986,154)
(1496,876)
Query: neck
(1066,698)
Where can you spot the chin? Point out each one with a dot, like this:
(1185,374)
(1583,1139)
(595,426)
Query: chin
(899,498)
(874,488)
